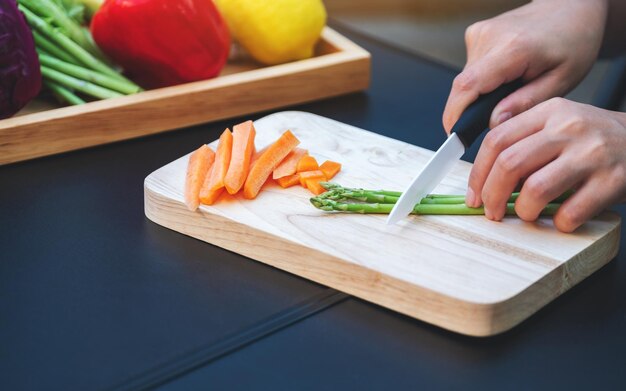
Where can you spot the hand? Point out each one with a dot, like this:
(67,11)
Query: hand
(551,44)
(558,145)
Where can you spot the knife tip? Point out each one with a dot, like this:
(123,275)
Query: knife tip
(391,220)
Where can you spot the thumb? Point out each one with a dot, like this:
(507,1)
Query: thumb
(540,89)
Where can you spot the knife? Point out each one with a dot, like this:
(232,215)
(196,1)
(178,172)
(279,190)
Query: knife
(473,121)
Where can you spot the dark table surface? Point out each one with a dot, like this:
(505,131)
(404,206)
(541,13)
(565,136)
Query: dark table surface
(95,296)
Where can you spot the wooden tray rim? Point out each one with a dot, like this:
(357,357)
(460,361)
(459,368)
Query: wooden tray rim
(348,51)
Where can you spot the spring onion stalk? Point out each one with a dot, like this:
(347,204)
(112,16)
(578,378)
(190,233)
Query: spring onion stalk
(74,49)
(63,93)
(77,84)
(91,6)
(46,45)
(87,75)
(420,209)
(57,16)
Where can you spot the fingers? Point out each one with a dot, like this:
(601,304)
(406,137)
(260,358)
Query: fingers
(496,141)
(514,163)
(593,197)
(547,184)
(541,89)
(479,77)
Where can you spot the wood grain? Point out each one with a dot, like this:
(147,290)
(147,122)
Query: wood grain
(463,273)
(339,67)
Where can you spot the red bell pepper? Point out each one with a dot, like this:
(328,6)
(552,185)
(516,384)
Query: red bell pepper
(163,42)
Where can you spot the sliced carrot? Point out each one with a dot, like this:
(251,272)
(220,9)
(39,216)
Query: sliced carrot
(330,168)
(243,146)
(288,181)
(289,165)
(315,174)
(307,163)
(199,165)
(209,196)
(256,156)
(268,162)
(314,186)
(214,181)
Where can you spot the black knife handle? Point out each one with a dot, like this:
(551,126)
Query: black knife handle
(475,119)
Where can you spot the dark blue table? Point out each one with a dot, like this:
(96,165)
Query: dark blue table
(95,296)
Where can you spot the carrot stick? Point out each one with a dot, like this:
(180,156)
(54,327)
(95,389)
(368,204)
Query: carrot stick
(307,163)
(256,157)
(243,147)
(214,181)
(289,165)
(199,165)
(288,181)
(315,174)
(209,196)
(330,168)
(268,162)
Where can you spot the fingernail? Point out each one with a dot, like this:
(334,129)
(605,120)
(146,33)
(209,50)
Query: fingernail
(488,214)
(503,117)
(470,198)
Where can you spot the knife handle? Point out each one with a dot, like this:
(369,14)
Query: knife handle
(475,119)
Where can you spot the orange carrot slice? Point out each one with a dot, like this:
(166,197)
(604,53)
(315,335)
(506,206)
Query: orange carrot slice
(315,174)
(243,146)
(288,181)
(199,164)
(330,168)
(314,186)
(268,162)
(289,165)
(209,196)
(256,156)
(307,163)
(214,181)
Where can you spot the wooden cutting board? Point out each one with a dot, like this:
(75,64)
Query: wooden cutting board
(463,273)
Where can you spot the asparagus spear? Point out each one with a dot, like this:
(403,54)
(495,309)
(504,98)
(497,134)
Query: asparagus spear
(423,209)
(334,186)
(339,193)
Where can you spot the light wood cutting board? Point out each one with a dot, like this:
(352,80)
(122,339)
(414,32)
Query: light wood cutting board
(463,273)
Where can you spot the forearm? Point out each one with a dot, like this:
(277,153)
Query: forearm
(614,43)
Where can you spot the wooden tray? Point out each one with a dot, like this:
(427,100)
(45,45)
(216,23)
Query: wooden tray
(339,67)
(463,273)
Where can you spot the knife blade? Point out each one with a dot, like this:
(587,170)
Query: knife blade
(473,121)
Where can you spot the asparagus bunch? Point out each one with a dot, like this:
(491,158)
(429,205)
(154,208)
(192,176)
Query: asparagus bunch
(72,66)
(342,199)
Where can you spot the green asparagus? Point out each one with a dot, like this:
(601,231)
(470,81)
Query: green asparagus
(337,192)
(344,199)
(421,209)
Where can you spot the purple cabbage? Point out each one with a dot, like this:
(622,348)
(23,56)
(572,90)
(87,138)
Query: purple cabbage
(20,74)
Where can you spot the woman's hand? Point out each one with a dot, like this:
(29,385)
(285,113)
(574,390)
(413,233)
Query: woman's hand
(551,44)
(557,145)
